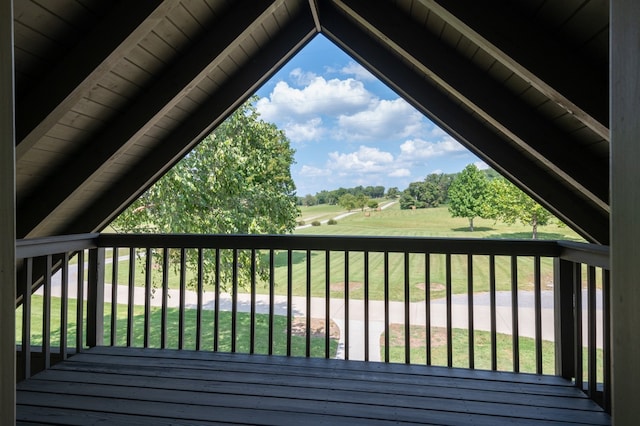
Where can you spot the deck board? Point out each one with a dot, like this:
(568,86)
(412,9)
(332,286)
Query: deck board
(150,386)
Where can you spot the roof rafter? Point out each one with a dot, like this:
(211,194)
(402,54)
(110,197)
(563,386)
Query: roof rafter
(165,93)
(508,114)
(534,55)
(242,85)
(71,79)
(581,214)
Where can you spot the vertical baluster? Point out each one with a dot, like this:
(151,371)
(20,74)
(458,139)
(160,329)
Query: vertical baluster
(407,311)
(272,288)
(26,318)
(95,298)
(165,297)
(492,308)
(130,301)
(183,288)
(114,297)
(470,325)
(147,296)
(234,300)
(80,304)
(289,299)
(216,309)
(577,294)
(308,306)
(606,339)
(449,310)
(252,325)
(64,305)
(537,283)
(327,299)
(591,340)
(346,305)
(46,314)
(199,288)
(386,307)
(366,306)
(515,334)
(427,306)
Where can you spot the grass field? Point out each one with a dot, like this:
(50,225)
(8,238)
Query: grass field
(434,222)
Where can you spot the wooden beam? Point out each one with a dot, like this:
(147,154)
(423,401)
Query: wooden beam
(548,63)
(230,96)
(71,79)
(7,219)
(168,89)
(625,205)
(563,156)
(530,175)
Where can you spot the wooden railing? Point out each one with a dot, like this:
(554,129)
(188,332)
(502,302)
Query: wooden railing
(452,302)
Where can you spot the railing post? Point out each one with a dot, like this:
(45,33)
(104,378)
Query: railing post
(563,318)
(95,298)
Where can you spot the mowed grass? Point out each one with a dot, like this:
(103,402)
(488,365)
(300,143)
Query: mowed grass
(435,222)
(298,339)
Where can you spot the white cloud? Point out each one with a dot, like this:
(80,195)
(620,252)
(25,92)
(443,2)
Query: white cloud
(320,96)
(302,78)
(357,70)
(307,131)
(310,171)
(384,120)
(481,165)
(418,149)
(365,160)
(400,173)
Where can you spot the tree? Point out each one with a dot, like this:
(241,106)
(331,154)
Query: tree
(236,181)
(508,203)
(348,202)
(393,192)
(467,195)
(361,201)
(310,200)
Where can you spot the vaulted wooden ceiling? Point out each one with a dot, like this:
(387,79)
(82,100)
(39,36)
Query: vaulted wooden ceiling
(110,94)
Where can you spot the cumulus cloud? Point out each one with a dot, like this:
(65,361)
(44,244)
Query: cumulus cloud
(310,171)
(418,149)
(481,165)
(302,78)
(402,172)
(320,96)
(358,71)
(384,120)
(307,131)
(365,160)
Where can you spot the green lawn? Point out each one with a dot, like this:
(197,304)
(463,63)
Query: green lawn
(298,340)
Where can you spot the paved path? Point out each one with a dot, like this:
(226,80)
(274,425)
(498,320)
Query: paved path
(417,312)
(341,216)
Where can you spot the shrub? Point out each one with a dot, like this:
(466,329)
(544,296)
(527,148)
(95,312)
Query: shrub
(301,222)
(315,223)
(332,222)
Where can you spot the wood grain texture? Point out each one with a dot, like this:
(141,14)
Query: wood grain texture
(121,385)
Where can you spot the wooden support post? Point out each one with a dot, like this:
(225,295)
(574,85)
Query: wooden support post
(95,298)
(7,219)
(563,318)
(625,205)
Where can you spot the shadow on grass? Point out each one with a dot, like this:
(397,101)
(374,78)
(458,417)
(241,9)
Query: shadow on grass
(476,229)
(527,236)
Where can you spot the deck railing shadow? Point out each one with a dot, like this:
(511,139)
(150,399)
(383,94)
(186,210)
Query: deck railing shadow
(351,297)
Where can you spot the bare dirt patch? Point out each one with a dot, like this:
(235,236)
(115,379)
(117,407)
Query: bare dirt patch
(434,286)
(417,334)
(299,328)
(353,285)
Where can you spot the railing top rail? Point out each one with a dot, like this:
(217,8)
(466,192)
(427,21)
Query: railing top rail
(34,247)
(591,254)
(337,243)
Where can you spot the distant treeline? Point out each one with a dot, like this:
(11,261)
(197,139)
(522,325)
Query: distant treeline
(430,192)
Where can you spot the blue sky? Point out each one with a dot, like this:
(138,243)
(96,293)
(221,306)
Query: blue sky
(349,129)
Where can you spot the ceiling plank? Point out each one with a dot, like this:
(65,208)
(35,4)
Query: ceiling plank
(240,86)
(582,215)
(208,53)
(126,24)
(563,156)
(529,50)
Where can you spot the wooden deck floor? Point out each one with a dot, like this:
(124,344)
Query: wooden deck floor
(148,386)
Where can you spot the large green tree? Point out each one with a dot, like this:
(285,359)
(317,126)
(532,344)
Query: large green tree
(467,195)
(236,181)
(508,203)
